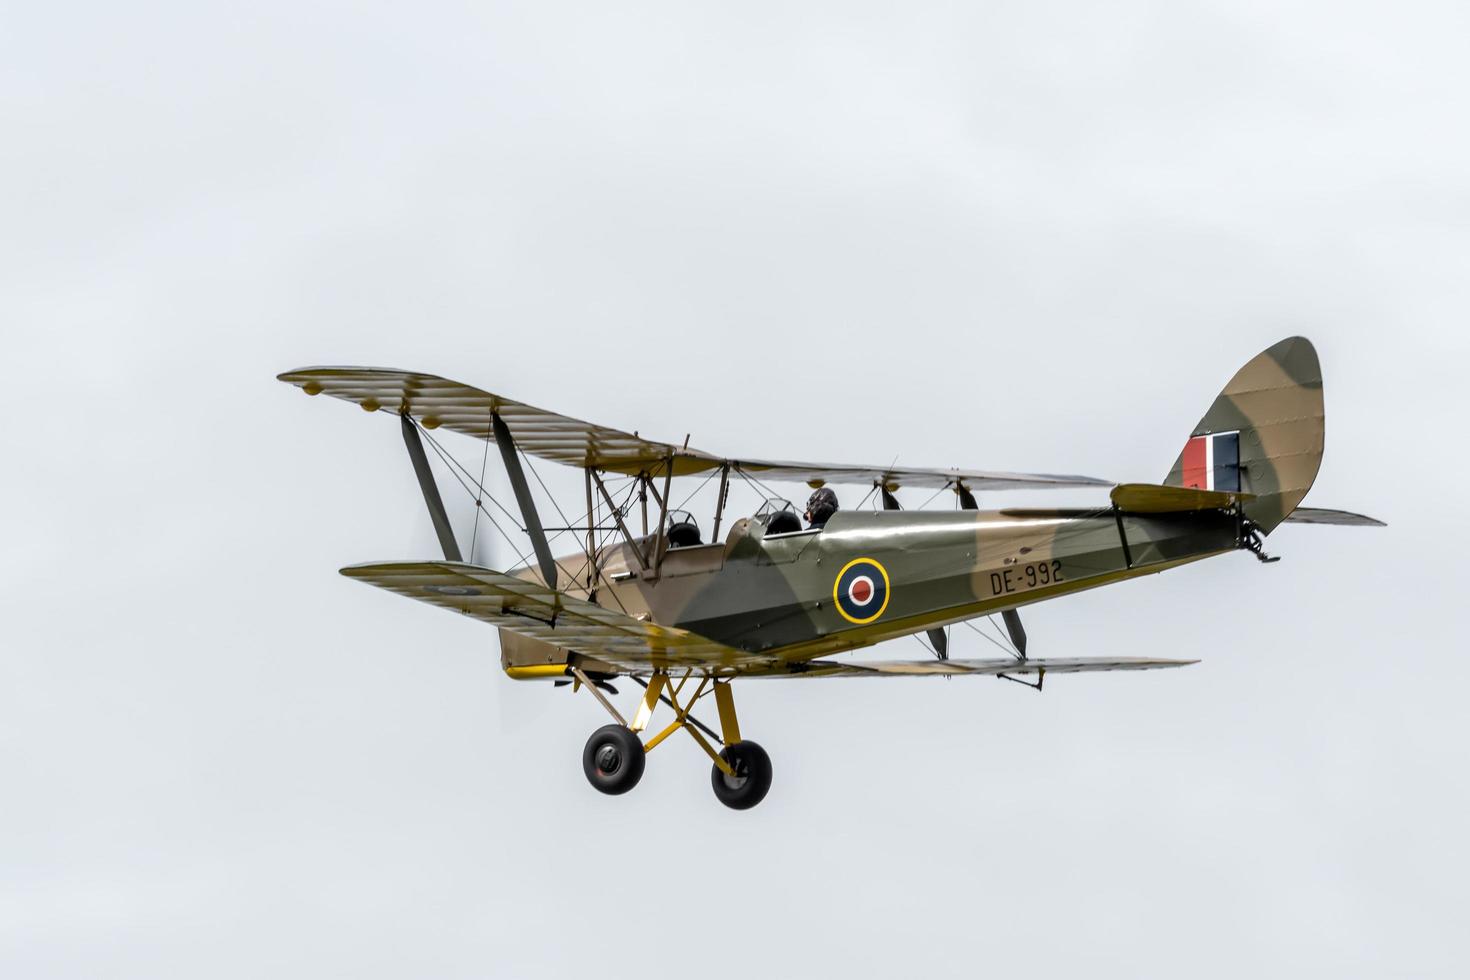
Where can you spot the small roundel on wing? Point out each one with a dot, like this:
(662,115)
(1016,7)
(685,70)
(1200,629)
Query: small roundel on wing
(861,591)
(453,589)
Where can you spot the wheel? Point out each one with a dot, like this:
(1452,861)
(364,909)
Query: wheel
(613,760)
(752,779)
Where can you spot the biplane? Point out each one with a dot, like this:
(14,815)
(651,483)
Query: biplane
(644,595)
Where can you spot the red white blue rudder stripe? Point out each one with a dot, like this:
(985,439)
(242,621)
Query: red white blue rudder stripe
(1212,462)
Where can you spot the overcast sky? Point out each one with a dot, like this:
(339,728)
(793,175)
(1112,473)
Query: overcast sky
(1008,235)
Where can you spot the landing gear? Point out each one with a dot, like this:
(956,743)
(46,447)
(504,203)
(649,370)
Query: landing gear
(751,779)
(1248,537)
(614,757)
(613,760)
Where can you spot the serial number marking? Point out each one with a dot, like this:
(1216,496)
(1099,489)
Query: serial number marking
(1029,576)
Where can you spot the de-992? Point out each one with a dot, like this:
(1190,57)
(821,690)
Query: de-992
(1029,576)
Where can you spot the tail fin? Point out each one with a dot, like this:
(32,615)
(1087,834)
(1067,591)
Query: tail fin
(1263,435)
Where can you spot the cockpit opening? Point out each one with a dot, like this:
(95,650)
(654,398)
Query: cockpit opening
(683,529)
(779,516)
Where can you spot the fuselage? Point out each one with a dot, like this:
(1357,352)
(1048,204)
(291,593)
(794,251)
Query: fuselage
(870,576)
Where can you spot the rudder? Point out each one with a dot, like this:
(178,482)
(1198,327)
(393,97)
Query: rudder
(1262,436)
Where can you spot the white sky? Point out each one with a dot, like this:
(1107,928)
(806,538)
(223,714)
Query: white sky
(1011,235)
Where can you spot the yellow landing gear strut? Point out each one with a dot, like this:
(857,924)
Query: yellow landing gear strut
(614,757)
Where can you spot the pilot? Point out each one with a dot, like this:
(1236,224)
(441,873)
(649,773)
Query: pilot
(820,507)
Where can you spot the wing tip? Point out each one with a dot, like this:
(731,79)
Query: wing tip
(1329,516)
(301,375)
(366,567)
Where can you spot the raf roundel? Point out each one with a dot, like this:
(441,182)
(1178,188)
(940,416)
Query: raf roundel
(861,591)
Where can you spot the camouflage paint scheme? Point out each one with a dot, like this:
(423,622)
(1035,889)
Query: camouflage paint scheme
(774,593)
(772,599)
(1275,402)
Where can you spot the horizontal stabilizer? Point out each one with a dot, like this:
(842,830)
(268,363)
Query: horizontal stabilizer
(1317,515)
(950,668)
(1148,498)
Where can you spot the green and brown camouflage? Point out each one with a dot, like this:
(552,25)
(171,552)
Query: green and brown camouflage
(1275,403)
(776,593)
(771,597)
(774,599)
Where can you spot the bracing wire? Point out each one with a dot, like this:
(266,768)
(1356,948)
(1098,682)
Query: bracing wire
(449,461)
(690,496)
(455,464)
(933,496)
(549,495)
(1004,637)
(761,487)
(1002,647)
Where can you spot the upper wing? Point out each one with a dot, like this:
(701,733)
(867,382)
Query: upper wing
(1316,515)
(436,401)
(893,477)
(533,610)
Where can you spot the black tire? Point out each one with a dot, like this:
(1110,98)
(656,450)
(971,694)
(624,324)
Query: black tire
(752,776)
(613,760)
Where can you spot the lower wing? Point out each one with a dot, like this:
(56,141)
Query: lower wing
(639,648)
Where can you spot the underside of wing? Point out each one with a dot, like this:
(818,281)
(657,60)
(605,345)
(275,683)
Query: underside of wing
(438,402)
(952,668)
(533,610)
(893,477)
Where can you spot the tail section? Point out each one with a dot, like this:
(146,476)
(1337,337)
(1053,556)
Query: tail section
(1262,436)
